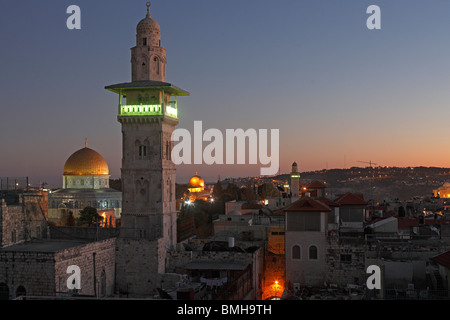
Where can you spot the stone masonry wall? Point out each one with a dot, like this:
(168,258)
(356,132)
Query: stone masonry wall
(32,270)
(138,266)
(83,257)
(11,227)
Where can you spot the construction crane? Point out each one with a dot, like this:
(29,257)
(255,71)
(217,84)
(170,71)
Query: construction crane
(370,163)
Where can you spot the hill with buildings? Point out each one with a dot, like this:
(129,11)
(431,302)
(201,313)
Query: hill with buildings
(376,183)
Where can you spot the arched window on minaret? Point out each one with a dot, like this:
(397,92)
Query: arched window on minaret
(141,150)
(168,150)
(157,65)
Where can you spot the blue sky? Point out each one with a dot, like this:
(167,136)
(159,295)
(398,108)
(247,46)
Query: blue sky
(312,69)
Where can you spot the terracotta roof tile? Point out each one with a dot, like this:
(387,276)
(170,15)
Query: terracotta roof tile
(328,202)
(316,185)
(307,205)
(351,199)
(443,259)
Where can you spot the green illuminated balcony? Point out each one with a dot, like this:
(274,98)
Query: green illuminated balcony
(149,110)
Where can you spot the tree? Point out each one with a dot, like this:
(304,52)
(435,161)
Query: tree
(234,191)
(89,216)
(267,190)
(248,192)
(401,211)
(70,219)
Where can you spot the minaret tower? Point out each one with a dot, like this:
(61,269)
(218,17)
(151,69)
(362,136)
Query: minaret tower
(148,114)
(295,181)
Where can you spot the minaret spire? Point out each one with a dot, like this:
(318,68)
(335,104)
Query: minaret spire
(85,142)
(148,4)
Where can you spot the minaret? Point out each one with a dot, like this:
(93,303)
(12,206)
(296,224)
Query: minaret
(148,58)
(295,181)
(148,117)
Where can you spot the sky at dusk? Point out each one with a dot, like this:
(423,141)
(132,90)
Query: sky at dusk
(338,92)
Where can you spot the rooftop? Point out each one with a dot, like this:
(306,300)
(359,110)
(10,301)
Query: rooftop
(137,85)
(443,259)
(46,246)
(308,204)
(216,265)
(351,199)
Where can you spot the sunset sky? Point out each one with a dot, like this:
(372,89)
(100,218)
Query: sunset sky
(338,92)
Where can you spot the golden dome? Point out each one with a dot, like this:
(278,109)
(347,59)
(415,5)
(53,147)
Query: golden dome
(86,162)
(196,182)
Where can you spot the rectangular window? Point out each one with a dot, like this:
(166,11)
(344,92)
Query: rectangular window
(303,221)
(346,258)
(144,41)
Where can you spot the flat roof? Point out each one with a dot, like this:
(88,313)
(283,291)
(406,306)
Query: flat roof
(216,265)
(46,246)
(145,84)
(86,191)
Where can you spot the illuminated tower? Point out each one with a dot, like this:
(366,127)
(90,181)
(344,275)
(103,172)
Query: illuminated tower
(148,114)
(295,181)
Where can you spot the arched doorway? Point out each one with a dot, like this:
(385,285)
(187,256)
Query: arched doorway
(103,284)
(20,291)
(4,291)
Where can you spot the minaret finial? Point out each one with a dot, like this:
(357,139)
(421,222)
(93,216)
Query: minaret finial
(148,4)
(85,142)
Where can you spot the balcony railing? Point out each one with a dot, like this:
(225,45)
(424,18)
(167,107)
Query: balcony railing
(149,110)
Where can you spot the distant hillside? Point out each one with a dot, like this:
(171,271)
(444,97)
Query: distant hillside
(380,182)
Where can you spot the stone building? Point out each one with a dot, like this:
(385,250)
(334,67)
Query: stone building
(231,269)
(148,114)
(39,268)
(34,260)
(22,217)
(306,242)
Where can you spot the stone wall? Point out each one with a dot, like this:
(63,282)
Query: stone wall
(32,270)
(24,220)
(138,267)
(346,263)
(83,257)
(306,271)
(11,228)
(274,275)
(86,233)
(45,273)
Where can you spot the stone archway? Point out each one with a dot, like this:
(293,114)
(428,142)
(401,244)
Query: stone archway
(20,291)
(103,284)
(4,291)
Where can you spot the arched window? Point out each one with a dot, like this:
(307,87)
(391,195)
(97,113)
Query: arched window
(168,151)
(103,284)
(4,291)
(312,253)
(296,252)
(20,291)
(156,60)
(142,150)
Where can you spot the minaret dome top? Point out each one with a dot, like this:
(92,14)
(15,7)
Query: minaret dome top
(149,27)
